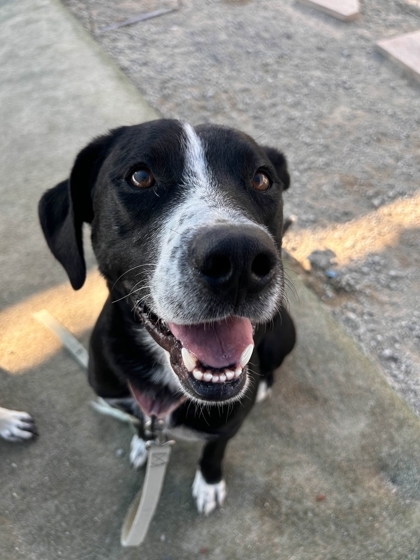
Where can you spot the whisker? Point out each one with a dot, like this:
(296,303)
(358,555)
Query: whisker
(132,292)
(129,270)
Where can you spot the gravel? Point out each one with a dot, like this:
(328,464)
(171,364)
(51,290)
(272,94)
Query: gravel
(346,118)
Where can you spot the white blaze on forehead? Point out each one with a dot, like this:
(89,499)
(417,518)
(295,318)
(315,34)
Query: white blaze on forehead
(196,168)
(203,194)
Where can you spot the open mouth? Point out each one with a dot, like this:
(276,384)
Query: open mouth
(209,359)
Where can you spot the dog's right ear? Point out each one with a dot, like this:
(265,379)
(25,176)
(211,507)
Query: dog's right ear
(64,208)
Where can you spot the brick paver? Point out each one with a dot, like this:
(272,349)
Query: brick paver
(413,4)
(404,50)
(345,10)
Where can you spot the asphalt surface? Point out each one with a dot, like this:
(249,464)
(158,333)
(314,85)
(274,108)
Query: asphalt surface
(329,468)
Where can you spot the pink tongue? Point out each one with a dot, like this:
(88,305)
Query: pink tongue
(217,344)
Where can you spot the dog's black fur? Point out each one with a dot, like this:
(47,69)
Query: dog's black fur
(124,222)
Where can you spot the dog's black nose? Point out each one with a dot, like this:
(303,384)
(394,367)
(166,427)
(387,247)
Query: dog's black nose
(235,260)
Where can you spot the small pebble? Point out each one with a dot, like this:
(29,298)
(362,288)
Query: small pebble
(389,354)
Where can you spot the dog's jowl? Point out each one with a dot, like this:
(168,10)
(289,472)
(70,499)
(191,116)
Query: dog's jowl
(186,225)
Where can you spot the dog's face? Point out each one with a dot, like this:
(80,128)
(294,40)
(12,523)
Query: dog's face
(186,223)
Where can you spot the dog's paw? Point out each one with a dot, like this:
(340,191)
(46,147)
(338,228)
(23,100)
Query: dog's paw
(16,426)
(207,496)
(138,452)
(264,392)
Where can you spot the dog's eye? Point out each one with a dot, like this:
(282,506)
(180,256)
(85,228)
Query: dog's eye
(261,182)
(142,178)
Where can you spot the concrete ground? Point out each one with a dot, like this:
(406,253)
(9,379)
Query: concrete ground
(329,468)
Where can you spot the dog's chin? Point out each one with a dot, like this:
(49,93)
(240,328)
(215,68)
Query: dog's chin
(205,375)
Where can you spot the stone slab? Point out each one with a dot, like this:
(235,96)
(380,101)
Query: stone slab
(412,5)
(345,10)
(404,50)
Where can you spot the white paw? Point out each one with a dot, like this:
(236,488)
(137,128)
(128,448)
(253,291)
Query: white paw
(207,496)
(138,452)
(263,392)
(16,426)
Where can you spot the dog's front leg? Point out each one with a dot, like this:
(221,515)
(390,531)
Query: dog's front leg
(209,488)
(138,452)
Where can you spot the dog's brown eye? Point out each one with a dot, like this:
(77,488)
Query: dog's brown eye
(261,182)
(143,179)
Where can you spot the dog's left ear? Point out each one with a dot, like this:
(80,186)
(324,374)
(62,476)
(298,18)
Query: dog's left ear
(280,165)
(64,208)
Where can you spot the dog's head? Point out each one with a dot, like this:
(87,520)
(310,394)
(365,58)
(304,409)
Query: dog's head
(187,223)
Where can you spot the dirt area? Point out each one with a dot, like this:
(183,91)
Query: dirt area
(347,120)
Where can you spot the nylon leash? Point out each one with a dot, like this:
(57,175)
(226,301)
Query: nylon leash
(143,507)
(78,351)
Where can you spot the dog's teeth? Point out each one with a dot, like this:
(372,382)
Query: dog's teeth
(227,375)
(246,355)
(189,360)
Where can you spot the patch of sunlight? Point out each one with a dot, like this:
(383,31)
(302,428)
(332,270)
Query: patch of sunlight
(25,343)
(356,239)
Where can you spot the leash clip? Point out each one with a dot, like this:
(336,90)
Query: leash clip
(154,430)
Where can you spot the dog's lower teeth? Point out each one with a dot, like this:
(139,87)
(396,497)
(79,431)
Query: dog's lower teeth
(227,375)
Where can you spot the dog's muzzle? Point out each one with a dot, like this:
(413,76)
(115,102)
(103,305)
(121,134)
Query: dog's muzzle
(229,266)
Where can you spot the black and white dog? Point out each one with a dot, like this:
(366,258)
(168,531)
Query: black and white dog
(186,226)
